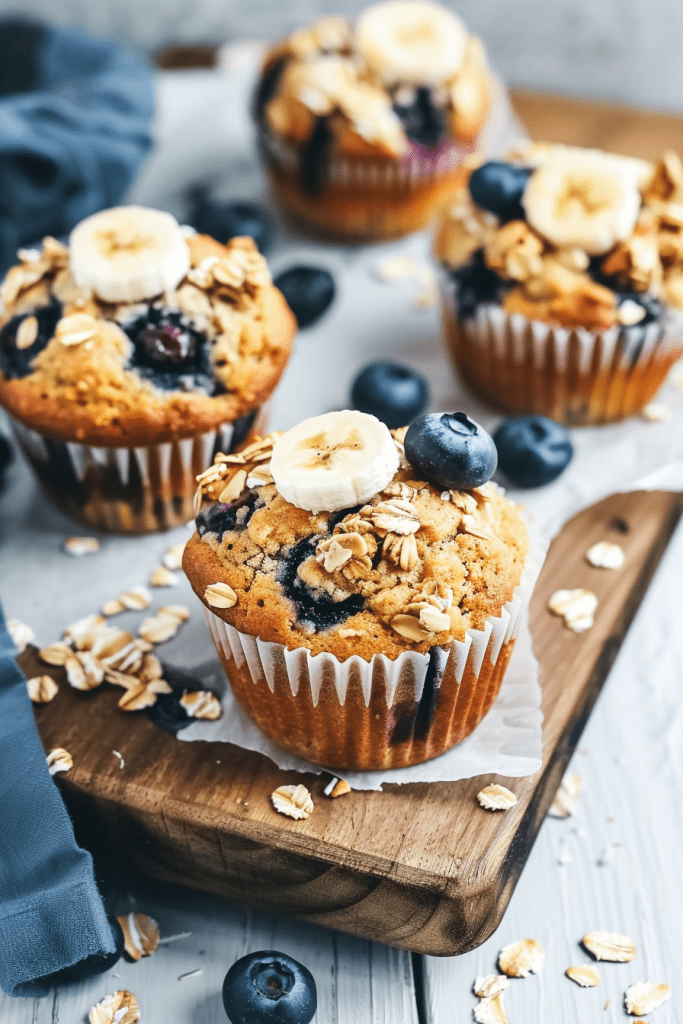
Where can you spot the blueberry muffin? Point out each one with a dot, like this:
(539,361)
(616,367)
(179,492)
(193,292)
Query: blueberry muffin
(363,127)
(563,281)
(130,357)
(364,607)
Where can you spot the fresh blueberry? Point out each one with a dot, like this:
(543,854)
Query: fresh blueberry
(16,362)
(269,988)
(96,963)
(475,284)
(422,120)
(169,351)
(451,450)
(532,450)
(308,291)
(227,220)
(393,393)
(6,454)
(499,187)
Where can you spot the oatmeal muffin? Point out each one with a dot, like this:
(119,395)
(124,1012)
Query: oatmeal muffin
(132,356)
(363,127)
(563,281)
(364,615)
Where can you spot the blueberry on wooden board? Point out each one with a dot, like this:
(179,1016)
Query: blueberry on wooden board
(393,393)
(227,220)
(450,450)
(308,291)
(268,987)
(498,187)
(96,963)
(532,450)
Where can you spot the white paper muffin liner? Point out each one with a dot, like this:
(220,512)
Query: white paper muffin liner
(581,375)
(128,490)
(385,684)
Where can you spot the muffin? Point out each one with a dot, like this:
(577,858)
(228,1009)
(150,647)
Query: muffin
(128,359)
(363,127)
(364,614)
(562,281)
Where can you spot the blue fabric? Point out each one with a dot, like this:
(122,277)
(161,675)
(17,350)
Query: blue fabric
(51,914)
(75,144)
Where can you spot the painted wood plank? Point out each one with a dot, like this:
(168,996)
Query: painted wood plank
(630,761)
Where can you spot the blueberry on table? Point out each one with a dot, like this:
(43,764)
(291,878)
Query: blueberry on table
(227,220)
(393,393)
(308,291)
(6,454)
(92,965)
(450,450)
(268,987)
(532,450)
(498,187)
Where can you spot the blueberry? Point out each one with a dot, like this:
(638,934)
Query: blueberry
(226,220)
(6,454)
(532,450)
(96,963)
(451,450)
(16,362)
(308,291)
(422,120)
(499,187)
(169,351)
(393,393)
(269,988)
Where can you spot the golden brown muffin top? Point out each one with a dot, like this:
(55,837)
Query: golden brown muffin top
(596,232)
(406,69)
(70,362)
(411,568)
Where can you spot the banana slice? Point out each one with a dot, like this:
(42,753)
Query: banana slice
(128,253)
(334,461)
(582,200)
(411,42)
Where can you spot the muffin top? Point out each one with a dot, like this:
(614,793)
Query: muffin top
(139,332)
(569,236)
(407,72)
(405,566)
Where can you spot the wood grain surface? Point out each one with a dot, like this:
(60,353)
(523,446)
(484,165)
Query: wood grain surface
(421,867)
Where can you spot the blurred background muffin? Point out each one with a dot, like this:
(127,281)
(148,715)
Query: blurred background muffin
(563,281)
(363,126)
(130,357)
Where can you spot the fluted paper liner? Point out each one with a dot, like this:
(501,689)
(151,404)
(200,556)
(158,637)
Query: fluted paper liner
(375,714)
(128,490)
(573,375)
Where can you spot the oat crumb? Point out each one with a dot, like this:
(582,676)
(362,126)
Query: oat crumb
(496,798)
(294,801)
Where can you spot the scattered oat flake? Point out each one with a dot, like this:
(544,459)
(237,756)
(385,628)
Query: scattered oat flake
(59,760)
(120,757)
(496,798)
(202,704)
(41,689)
(520,959)
(137,599)
(159,628)
(576,607)
(294,801)
(55,654)
(586,976)
(396,268)
(610,946)
(566,797)
(645,996)
(490,985)
(20,634)
(173,559)
(655,412)
(336,787)
(608,1004)
(140,933)
(190,974)
(79,546)
(162,577)
(114,607)
(605,555)
(117,1008)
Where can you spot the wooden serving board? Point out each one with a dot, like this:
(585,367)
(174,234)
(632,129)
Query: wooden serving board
(422,867)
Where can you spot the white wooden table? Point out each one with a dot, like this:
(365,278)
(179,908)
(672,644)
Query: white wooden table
(615,865)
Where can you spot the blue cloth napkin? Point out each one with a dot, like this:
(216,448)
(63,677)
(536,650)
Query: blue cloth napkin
(51,913)
(73,144)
